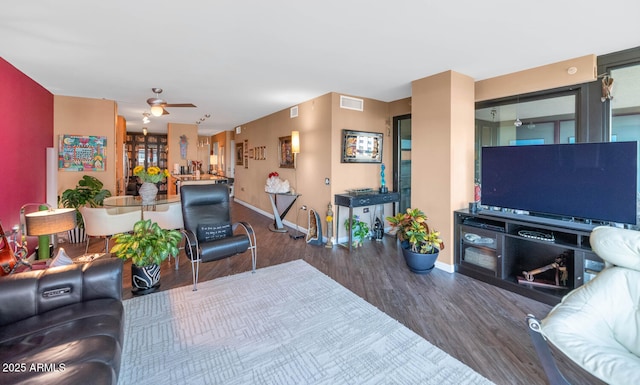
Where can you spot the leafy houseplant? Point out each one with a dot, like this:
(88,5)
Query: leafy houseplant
(420,244)
(147,245)
(358,228)
(412,227)
(88,191)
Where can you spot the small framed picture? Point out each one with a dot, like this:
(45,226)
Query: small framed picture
(239,154)
(286,153)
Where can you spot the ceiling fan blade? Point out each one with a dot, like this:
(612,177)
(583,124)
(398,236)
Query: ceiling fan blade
(165,112)
(179,105)
(154,101)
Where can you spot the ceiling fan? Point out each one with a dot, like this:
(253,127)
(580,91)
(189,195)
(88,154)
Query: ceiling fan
(158,105)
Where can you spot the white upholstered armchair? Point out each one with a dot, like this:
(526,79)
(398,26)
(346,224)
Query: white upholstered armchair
(598,324)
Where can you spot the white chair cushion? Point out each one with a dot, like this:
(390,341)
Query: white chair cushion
(620,247)
(598,325)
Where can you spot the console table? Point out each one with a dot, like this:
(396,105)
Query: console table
(360,200)
(280,203)
(499,248)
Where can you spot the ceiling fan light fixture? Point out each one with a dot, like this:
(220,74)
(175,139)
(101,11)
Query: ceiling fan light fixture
(157,110)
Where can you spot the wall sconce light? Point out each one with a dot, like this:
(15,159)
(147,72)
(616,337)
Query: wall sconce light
(295,142)
(157,110)
(144,131)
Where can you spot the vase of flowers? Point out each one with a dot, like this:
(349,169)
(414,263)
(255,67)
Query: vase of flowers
(149,177)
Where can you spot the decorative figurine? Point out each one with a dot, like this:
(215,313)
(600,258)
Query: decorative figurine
(383,187)
(329,219)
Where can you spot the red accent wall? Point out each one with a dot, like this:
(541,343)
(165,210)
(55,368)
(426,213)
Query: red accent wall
(26,130)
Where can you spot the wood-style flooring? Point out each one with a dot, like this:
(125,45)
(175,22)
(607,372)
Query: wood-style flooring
(481,325)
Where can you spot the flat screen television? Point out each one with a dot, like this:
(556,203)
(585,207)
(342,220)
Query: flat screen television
(587,181)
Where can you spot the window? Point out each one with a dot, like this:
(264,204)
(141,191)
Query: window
(542,118)
(625,105)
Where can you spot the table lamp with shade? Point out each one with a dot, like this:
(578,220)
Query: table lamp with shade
(47,222)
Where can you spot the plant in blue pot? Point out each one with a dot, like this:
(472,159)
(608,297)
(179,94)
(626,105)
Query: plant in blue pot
(420,245)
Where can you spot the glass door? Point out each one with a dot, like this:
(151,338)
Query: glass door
(402,159)
(625,104)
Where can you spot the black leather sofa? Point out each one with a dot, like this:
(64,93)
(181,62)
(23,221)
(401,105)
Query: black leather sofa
(63,325)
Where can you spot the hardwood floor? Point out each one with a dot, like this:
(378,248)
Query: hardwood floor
(481,325)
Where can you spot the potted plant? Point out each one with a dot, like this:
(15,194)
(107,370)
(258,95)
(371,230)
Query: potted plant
(359,230)
(88,192)
(420,245)
(146,246)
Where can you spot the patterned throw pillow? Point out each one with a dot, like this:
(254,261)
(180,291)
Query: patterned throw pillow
(212,231)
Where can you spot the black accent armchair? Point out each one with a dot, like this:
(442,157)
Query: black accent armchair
(208,231)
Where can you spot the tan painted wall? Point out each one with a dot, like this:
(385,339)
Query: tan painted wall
(313,162)
(398,108)
(373,118)
(539,78)
(320,122)
(221,139)
(84,116)
(121,133)
(174,131)
(442,150)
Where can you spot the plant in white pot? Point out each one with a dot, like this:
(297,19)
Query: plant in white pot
(146,246)
(88,192)
(420,245)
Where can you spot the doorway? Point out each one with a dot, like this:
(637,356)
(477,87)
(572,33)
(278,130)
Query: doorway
(402,159)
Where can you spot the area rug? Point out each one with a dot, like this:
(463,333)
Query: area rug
(284,324)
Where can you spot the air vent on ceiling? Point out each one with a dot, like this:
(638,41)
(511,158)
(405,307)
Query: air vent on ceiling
(351,103)
(293,112)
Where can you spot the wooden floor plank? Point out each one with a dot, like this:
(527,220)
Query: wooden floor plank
(479,324)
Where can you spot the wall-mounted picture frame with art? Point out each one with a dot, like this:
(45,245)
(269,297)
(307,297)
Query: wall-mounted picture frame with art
(285,152)
(361,147)
(239,154)
(260,153)
(82,153)
(246,153)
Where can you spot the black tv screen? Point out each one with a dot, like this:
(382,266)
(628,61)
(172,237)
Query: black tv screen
(592,181)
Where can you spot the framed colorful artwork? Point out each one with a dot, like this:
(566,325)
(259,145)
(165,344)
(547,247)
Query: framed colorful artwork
(82,153)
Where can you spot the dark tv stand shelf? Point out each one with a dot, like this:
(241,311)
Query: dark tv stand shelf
(497,247)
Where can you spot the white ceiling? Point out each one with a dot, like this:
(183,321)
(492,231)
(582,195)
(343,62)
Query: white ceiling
(239,60)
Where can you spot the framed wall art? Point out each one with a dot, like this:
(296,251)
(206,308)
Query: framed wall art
(285,152)
(361,147)
(239,154)
(260,153)
(246,153)
(82,153)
